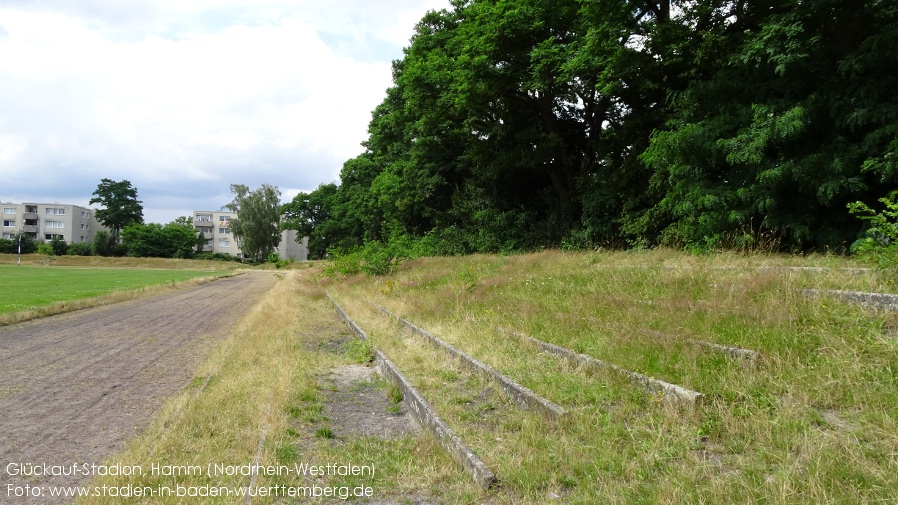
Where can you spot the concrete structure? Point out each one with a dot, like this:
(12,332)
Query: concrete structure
(215,226)
(424,413)
(43,221)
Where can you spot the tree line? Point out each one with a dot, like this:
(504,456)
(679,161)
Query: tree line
(256,229)
(521,124)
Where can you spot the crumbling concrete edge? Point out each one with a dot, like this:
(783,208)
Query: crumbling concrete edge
(737,353)
(424,413)
(521,395)
(670,391)
(746,356)
(875,301)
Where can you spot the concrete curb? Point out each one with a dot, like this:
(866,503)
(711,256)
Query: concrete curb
(745,356)
(670,391)
(521,395)
(875,301)
(424,413)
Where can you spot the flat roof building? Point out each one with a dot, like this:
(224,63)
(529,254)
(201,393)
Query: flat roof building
(216,229)
(43,221)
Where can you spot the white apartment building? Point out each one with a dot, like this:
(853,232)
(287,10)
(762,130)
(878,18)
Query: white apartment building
(43,221)
(215,226)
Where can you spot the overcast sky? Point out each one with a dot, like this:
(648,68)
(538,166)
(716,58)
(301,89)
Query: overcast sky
(185,97)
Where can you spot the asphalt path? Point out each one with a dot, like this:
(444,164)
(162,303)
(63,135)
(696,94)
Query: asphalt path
(75,387)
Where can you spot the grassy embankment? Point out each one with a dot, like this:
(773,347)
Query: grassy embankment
(815,421)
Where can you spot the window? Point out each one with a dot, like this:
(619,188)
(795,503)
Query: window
(208,243)
(53,211)
(85,214)
(9,210)
(224,242)
(55,224)
(224,219)
(203,217)
(9,223)
(82,226)
(9,235)
(50,236)
(224,230)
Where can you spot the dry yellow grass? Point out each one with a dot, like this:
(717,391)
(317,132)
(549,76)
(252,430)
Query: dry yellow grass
(814,422)
(266,385)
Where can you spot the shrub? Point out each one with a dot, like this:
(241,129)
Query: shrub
(60,247)
(880,244)
(80,249)
(44,248)
(11,246)
(208,256)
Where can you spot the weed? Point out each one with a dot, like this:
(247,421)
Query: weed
(359,351)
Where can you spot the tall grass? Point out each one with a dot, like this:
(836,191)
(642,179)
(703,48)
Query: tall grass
(813,422)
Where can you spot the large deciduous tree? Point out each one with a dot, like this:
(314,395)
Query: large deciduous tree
(515,124)
(257,227)
(120,205)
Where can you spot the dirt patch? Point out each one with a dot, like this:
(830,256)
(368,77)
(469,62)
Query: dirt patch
(357,404)
(75,387)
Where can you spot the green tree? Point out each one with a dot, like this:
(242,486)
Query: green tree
(174,240)
(311,215)
(257,227)
(120,205)
(788,116)
(105,244)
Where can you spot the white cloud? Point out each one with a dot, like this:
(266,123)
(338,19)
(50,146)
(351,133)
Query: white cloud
(185,98)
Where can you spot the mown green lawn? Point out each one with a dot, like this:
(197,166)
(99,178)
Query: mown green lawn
(28,287)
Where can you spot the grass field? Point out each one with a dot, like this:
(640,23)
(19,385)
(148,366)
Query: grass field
(814,421)
(30,290)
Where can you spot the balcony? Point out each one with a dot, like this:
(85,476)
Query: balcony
(29,215)
(29,228)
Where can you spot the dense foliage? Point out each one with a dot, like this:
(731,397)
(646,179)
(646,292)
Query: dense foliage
(519,124)
(106,244)
(11,246)
(174,240)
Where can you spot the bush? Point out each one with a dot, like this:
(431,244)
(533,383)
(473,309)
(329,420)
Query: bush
(11,246)
(880,245)
(80,249)
(44,248)
(374,258)
(60,247)
(208,256)
(105,245)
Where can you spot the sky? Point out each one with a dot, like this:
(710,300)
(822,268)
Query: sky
(185,97)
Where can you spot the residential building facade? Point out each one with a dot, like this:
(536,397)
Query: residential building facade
(43,221)
(219,238)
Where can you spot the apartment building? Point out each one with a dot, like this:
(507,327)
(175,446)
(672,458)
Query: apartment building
(43,221)
(216,229)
